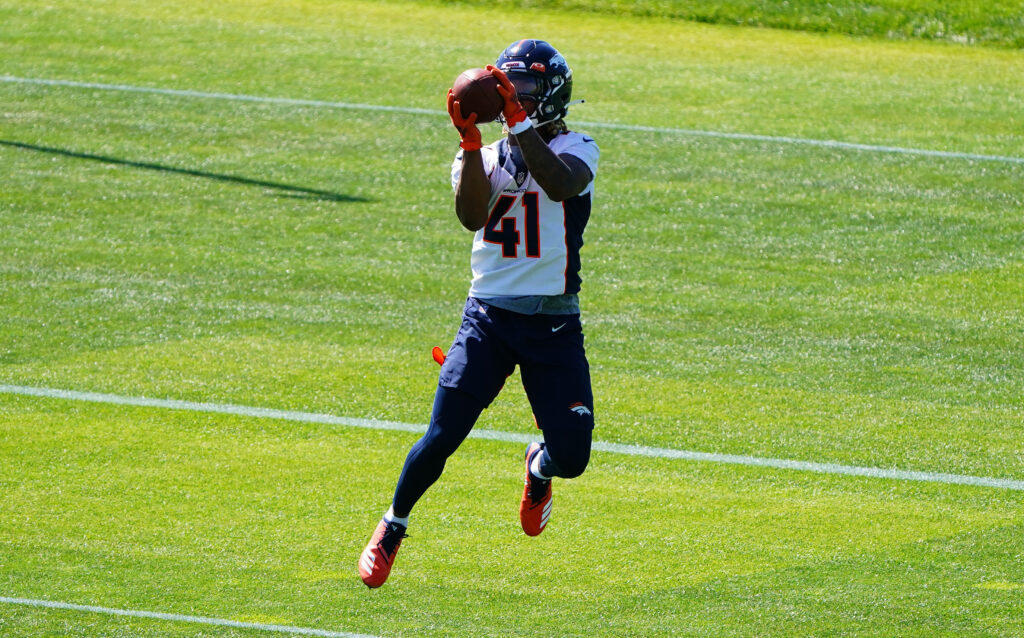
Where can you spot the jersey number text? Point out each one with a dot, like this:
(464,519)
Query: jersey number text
(503,230)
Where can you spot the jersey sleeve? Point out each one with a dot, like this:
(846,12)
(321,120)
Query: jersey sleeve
(499,177)
(585,148)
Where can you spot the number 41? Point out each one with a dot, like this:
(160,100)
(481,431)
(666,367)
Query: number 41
(507,234)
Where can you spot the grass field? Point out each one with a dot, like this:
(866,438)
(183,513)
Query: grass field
(767,297)
(993,22)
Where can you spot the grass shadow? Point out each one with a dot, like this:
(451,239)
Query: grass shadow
(287,190)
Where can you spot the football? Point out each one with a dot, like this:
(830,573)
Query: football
(476,91)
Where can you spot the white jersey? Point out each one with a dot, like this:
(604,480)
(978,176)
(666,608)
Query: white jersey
(530,244)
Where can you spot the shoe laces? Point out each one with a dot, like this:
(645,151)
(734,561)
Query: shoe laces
(392,538)
(538,488)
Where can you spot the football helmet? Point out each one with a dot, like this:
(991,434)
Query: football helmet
(541,77)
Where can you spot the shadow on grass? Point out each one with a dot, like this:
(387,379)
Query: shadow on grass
(287,189)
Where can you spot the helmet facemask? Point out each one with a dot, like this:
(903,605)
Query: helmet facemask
(548,94)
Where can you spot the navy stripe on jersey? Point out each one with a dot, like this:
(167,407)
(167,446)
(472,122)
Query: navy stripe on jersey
(577,213)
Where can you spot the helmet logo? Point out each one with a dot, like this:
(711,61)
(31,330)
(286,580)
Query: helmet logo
(513,64)
(538,66)
(558,61)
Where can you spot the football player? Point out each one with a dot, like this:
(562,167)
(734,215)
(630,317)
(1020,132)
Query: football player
(527,197)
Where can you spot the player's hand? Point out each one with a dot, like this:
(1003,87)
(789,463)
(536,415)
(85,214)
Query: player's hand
(466,126)
(513,110)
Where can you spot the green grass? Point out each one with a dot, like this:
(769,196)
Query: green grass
(761,298)
(997,23)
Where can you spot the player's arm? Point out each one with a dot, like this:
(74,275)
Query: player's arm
(473,190)
(561,176)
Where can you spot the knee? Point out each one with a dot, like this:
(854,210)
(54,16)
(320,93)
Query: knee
(569,463)
(436,443)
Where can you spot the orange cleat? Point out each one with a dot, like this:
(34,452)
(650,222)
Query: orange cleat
(379,556)
(535,508)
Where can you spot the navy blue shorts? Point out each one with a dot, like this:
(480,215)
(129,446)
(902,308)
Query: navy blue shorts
(548,350)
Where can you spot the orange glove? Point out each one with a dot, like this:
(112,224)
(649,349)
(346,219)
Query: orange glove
(471,140)
(515,115)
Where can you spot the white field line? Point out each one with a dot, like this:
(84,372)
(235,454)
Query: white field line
(513,437)
(201,620)
(873,148)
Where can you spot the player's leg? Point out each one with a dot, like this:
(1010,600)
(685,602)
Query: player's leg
(454,414)
(452,418)
(471,376)
(560,394)
(567,441)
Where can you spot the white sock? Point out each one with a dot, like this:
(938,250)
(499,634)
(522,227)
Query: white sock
(389,517)
(535,467)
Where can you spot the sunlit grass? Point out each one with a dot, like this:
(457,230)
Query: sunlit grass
(746,297)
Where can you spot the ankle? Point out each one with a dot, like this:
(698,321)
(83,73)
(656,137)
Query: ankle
(390,517)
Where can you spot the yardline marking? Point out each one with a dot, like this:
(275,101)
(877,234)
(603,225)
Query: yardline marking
(201,620)
(514,437)
(750,137)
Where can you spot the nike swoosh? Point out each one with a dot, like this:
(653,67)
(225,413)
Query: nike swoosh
(558,328)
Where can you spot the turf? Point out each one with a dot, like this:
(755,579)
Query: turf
(997,23)
(769,298)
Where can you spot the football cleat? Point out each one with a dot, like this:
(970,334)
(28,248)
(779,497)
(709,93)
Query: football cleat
(535,508)
(379,556)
